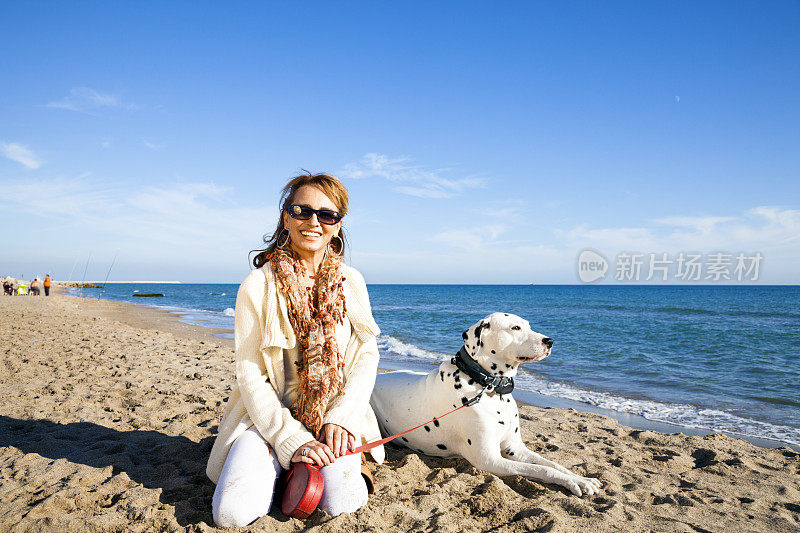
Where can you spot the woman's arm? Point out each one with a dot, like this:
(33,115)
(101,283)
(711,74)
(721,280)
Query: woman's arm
(272,419)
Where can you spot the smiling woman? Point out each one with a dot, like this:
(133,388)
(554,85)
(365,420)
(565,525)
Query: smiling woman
(306,360)
(298,199)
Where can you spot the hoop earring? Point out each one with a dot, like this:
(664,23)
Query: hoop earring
(341,245)
(280,245)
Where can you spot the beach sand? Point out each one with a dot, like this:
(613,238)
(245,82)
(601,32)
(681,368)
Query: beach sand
(108,412)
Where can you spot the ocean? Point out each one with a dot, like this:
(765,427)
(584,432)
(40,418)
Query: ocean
(723,358)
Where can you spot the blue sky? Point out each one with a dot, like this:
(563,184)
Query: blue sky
(481,143)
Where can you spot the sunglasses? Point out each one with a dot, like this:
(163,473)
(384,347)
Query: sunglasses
(303,212)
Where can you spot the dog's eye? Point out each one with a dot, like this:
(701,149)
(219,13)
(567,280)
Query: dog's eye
(515,327)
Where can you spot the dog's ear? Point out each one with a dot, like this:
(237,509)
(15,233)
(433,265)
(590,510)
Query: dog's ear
(479,329)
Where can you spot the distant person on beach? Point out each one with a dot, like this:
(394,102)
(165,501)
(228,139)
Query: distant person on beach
(306,360)
(34,288)
(47,285)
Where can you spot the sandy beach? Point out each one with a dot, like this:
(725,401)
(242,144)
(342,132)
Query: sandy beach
(109,410)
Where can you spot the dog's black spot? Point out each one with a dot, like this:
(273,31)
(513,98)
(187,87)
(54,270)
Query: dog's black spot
(427,428)
(457,386)
(386,420)
(454,405)
(501,422)
(487,325)
(500,372)
(464,400)
(405,439)
(480,343)
(464,335)
(516,415)
(498,412)
(479,329)
(441,446)
(505,314)
(448,374)
(441,373)
(494,366)
(436,423)
(493,351)
(516,429)
(508,400)
(470,382)
(507,365)
(511,453)
(469,441)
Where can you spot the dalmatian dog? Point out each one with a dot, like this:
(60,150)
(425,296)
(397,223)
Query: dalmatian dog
(486,432)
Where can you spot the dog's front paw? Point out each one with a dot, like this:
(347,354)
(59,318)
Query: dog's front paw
(579,485)
(588,485)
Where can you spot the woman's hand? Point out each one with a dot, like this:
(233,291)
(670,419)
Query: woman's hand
(318,453)
(337,438)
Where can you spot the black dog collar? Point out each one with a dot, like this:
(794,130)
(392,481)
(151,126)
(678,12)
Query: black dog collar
(493,382)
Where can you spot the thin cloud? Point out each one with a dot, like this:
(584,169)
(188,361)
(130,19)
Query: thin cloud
(170,220)
(760,228)
(416,180)
(472,239)
(701,224)
(21,154)
(507,209)
(152,145)
(87,99)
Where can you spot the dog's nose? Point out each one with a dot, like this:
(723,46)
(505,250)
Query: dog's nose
(547,341)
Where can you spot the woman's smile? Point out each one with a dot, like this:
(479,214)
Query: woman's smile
(311,235)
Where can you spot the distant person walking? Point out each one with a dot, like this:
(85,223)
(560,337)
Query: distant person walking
(47,285)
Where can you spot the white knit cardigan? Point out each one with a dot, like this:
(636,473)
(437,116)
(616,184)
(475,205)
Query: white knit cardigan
(261,332)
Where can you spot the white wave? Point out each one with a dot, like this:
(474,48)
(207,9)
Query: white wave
(393,346)
(202,317)
(680,414)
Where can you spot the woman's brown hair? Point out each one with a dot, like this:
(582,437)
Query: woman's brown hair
(329,185)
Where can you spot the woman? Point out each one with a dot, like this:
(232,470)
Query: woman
(306,360)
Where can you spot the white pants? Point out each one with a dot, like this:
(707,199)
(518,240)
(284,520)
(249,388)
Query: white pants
(246,485)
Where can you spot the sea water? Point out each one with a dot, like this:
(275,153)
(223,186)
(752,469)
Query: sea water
(725,358)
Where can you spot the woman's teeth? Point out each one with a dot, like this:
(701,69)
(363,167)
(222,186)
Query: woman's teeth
(311,234)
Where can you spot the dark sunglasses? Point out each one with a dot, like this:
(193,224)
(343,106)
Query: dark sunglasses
(303,212)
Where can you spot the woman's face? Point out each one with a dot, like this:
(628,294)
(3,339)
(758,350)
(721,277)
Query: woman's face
(310,236)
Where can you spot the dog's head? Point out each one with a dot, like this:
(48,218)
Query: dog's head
(501,341)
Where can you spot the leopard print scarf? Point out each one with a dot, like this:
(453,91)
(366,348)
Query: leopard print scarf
(313,315)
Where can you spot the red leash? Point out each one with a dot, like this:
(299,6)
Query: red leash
(303,483)
(371,445)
